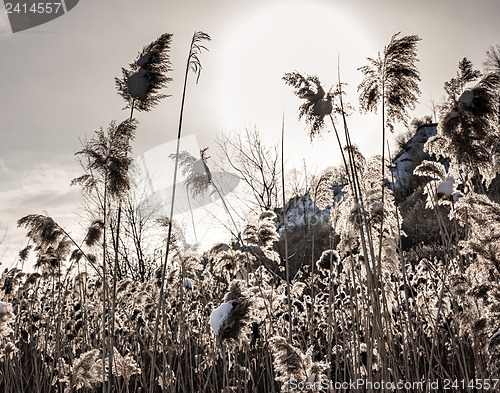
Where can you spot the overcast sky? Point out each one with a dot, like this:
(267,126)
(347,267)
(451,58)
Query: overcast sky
(57,79)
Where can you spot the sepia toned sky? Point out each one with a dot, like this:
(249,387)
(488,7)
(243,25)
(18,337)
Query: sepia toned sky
(57,80)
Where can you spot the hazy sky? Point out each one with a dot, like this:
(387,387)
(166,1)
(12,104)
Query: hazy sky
(57,79)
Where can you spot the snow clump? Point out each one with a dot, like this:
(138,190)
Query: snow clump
(446,187)
(186,282)
(467,98)
(457,195)
(146,59)
(138,84)
(219,315)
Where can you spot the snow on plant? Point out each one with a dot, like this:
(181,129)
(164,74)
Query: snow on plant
(317,105)
(441,188)
(219,315)
(142,81)
(467,99)
(231,320)
(186,282)
(446,187)
(138,84)
(468,130)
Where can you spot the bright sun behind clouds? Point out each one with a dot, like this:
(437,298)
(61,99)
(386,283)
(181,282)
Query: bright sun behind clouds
(283,38)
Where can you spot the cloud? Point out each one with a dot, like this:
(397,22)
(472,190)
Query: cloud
(43,189)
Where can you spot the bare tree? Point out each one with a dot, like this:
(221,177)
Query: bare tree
(435,107)
(256,164)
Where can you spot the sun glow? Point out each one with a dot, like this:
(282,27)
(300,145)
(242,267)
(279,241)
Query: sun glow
(303,36)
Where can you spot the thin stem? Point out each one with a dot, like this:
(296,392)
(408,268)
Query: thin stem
(104,285)
(169,235)
(287,264)
(379,267)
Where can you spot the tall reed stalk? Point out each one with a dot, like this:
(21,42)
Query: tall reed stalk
(287,263)
(193,64)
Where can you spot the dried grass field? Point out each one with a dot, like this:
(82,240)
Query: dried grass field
(361,279)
